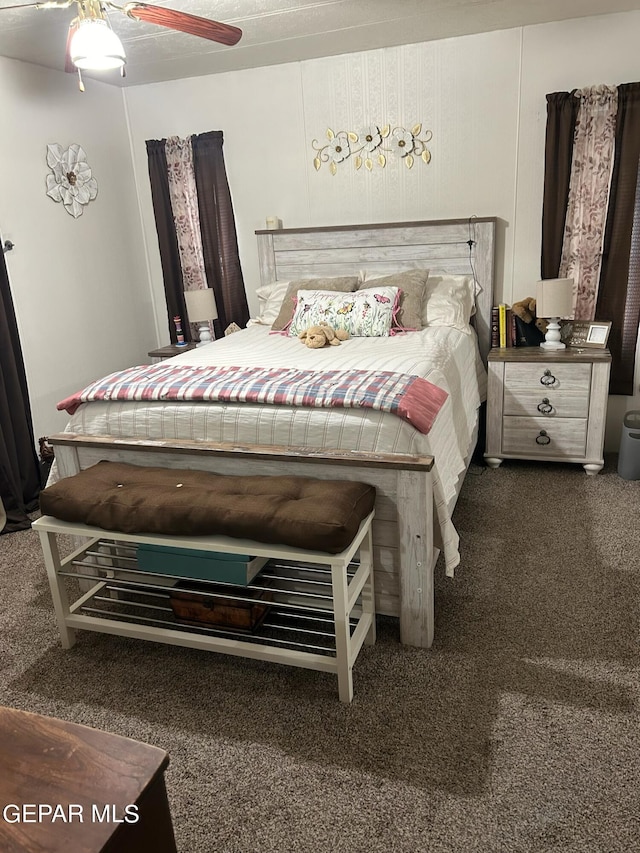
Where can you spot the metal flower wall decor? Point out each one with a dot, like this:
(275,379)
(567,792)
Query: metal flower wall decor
(371,146)
(70,181)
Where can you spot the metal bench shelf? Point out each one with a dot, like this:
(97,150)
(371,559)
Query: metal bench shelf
(320,606)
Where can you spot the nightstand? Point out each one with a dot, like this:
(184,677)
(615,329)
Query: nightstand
(547,405)
(170,350)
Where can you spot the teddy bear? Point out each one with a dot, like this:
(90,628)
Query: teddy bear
(526,310)
(318,336)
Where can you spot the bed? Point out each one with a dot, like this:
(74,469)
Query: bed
(417,476)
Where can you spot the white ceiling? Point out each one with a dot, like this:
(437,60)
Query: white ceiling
(276,31)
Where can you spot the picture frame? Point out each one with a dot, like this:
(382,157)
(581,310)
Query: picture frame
(588,333)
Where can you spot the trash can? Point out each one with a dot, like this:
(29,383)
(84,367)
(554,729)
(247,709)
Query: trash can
(629,457)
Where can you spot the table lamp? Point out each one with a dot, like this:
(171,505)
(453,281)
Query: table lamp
(554,301)
(201,308)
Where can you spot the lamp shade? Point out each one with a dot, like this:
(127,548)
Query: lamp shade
(554,298)
(95,47)
(201,305)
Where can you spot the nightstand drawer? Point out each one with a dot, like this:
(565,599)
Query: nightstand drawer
(546,403)
(547,376)
(548,437)
(547,406)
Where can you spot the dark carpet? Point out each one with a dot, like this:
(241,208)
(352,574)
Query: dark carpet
(519,731)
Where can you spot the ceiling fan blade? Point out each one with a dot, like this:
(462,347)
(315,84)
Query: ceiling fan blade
(185,23)
(69,67)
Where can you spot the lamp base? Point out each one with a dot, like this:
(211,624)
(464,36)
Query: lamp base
(552,337)
(204,334)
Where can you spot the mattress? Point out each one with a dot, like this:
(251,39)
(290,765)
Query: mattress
(445,356)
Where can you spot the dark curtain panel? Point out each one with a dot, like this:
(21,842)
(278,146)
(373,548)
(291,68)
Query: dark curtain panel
(562,111)
(218,228)
(619,292)
(167,239)
(19,467)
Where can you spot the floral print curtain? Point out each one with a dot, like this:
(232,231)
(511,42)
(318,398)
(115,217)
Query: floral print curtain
(595,237)
(586,217)
(196,227)
(186,216)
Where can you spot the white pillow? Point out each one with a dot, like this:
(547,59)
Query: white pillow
(362,313)
(270,298)
(449,301)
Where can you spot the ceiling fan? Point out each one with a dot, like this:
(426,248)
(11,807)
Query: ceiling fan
(93,45)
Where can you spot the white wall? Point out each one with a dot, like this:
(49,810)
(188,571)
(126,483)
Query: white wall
(261,114)
(270,116)
(483,96)
(89,292)
(80,286)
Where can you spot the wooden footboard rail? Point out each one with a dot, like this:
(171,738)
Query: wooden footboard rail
(403,528)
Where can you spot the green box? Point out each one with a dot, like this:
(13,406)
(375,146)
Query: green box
(217,566)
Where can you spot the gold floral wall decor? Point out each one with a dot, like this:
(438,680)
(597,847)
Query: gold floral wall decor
(71,180)
(371,147)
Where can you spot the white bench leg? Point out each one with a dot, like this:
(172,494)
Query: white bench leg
(343,632)
(58,592)
(368,590)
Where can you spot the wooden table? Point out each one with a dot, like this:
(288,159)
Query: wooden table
(66,788)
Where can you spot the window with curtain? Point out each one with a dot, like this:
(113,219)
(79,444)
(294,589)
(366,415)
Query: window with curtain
(196,227)
(591,211)
(19,467)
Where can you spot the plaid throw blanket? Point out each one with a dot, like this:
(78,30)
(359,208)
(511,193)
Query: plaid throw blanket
(411,398)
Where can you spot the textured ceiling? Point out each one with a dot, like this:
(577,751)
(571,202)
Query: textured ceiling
(276,31)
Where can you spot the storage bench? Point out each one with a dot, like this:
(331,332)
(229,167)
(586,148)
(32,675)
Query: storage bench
(318,607)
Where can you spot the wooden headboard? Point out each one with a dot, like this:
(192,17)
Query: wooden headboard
(456,246)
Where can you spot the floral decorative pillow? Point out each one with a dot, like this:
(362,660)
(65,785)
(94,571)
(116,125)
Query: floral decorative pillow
(363,313)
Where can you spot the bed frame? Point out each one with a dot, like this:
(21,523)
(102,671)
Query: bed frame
(405,546)
(455,246)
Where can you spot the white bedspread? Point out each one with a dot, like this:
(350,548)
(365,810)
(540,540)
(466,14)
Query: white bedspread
(444,356)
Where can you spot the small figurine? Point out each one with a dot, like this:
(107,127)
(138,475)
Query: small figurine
(179,333)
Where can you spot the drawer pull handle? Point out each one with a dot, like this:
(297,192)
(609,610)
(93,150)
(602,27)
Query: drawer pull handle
(543,438)
(548,378)
(545,406)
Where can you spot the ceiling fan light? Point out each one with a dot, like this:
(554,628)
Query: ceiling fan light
(95,47)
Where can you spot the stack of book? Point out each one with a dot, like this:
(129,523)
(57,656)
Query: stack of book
(503,326)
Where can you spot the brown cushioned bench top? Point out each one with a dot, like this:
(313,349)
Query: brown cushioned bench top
(318,515)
